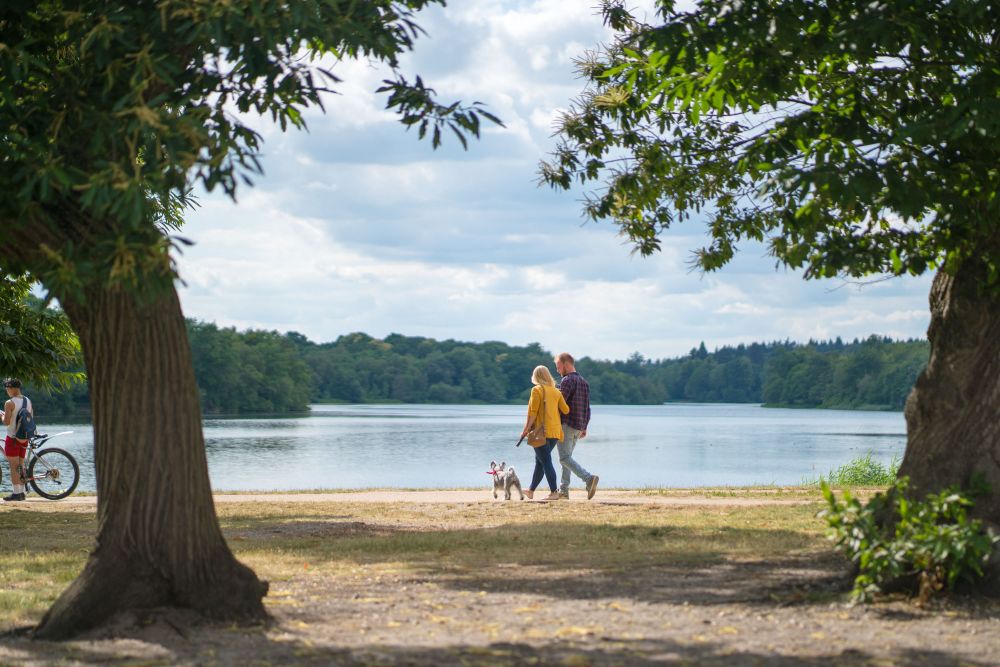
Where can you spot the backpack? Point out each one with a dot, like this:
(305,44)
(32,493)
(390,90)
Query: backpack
(26,428)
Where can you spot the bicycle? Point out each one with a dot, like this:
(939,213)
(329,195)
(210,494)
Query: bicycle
(53,473)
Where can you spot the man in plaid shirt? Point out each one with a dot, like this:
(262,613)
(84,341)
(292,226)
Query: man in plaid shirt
(576,391)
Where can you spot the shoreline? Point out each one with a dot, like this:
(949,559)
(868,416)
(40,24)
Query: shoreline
(709,497)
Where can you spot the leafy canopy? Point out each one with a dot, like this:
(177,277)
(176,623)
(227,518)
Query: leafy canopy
(110,112)
(37,344)
(853,137)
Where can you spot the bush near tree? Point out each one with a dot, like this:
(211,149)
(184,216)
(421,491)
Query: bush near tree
(928,545)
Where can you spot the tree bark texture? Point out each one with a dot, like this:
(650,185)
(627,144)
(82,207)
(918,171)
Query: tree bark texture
(158,539)
(953,412)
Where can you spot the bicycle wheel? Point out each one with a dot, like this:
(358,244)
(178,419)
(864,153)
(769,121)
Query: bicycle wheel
(53,474)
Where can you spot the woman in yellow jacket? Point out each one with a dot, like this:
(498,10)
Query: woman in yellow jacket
(546,403)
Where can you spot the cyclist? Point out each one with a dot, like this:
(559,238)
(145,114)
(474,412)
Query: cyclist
(14,449)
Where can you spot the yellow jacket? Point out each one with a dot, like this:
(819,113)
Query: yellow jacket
(554,404)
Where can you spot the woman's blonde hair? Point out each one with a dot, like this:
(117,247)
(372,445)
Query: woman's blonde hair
(542,376)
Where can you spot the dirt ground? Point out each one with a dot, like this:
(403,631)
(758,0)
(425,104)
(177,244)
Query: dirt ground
(735,497)
(789,609)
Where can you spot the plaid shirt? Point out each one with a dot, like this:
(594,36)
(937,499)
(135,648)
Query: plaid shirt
(576,391)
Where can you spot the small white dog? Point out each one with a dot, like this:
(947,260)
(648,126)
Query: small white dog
(504,478)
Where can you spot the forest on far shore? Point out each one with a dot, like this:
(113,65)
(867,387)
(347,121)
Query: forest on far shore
(269,372)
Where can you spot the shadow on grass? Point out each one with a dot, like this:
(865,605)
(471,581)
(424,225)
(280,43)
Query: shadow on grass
(778,582)
(655,564)
(19,521)
(217,645)
(661,564)
(667,564)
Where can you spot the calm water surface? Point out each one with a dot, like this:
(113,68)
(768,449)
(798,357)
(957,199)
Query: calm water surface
(364,446)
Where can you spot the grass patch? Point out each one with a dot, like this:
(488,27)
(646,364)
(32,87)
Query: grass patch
(470,541)
(285,541)
(42,552)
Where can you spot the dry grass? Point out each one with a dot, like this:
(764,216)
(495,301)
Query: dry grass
(44,550)
(431,537)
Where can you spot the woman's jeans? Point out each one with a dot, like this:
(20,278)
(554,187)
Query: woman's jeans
(543,465)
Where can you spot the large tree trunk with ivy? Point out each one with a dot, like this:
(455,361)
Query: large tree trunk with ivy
(158,541)
(953,412)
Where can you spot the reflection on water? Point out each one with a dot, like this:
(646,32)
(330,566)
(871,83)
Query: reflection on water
(406,446)
(261,445)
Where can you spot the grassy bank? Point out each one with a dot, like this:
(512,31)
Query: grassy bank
(46,545)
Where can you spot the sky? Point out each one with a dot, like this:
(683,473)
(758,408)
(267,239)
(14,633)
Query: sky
(356,225)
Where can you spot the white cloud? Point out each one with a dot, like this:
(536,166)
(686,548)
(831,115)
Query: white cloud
(740,308)
(357,226)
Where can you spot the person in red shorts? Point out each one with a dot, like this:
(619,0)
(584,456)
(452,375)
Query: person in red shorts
(14,449)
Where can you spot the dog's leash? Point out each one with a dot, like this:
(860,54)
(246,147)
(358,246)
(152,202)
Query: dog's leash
(520,441)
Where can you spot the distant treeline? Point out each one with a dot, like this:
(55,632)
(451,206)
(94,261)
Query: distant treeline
(264,371)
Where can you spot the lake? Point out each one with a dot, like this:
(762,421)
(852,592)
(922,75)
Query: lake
(407,446)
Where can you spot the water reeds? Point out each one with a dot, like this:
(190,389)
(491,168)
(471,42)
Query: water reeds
(863,470)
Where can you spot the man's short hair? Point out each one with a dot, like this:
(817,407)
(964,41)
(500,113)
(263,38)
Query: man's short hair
(565,358)
(12,382)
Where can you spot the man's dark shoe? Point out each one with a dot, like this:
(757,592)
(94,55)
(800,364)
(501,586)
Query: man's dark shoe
(14,497)
(564,495)
(592,487)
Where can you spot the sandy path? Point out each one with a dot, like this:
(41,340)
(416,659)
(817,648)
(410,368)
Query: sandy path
(609,497)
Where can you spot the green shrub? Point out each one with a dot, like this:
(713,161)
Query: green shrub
(932,543)
(864,471)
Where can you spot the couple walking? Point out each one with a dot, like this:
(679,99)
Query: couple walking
(564,412)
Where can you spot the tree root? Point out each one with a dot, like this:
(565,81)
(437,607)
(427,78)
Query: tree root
(112,583)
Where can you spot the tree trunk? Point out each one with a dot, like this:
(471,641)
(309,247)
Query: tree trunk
(158,539)
(953,412)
